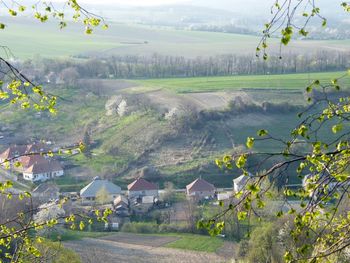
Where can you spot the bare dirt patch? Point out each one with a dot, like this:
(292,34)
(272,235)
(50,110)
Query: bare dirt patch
(166,99)
(215,100)
(106,251)
(228,250)
(200,100)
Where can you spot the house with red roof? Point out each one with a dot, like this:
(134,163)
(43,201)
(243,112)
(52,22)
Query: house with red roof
(200,189)
(15,152)
(43,171)
(12,153)
(35,165)
(141,187)
(28,160)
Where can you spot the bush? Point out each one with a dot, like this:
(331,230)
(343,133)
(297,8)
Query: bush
(262,246)
(280,107)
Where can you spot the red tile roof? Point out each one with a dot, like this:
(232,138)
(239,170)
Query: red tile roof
(200,185)
(44,167)
(13,151)
(29,160)
(18,150)
(36,148)
(141,184)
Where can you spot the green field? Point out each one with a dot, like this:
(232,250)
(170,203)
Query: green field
(28,38)
(267,82)
(196,242)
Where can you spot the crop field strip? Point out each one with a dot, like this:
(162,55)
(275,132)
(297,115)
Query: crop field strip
(286,82)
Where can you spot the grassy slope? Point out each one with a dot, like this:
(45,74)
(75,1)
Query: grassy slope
(131,135)
(75,110)
(275,88)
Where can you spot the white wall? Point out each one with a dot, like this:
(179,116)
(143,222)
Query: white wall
(142,193)
(42,176)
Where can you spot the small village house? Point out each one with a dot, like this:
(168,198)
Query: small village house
(43,171)
(200,189)
(121,206)
(35,165)
(121,200)
(99,187)
(141,187)
(14,152)
(28,160)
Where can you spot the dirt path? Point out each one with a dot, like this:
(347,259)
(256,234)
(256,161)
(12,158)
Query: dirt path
(107,251)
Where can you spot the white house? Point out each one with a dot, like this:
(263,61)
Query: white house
(28,160)
(140,187)
(43,171)
(241,182)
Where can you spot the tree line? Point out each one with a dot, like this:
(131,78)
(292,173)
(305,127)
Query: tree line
(161,66)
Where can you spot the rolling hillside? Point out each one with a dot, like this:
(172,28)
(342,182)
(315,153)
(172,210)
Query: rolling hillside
(146,141)
(134,39)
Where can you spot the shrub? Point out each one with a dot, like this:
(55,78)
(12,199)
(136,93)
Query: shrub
(262,246)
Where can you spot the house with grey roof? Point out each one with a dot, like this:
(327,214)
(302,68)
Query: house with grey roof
(99,187)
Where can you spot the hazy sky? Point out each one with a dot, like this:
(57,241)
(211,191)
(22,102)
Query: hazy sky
(136,2)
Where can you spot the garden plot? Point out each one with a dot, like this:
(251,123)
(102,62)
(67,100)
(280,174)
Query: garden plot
(107,251)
